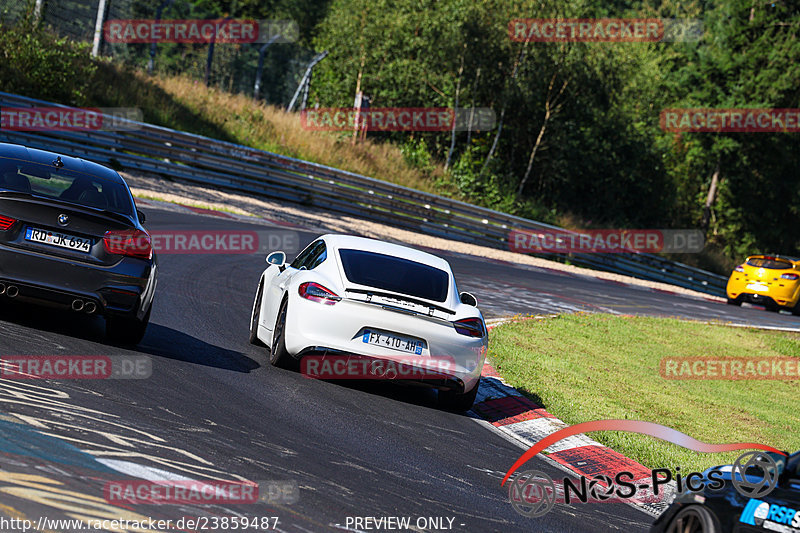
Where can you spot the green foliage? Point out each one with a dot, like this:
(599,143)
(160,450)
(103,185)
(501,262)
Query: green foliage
(36,63)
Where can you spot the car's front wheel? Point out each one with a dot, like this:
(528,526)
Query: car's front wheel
(279,356)
(126,330)
(692,519)
(459,402)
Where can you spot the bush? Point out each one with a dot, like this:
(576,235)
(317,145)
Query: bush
(36,63)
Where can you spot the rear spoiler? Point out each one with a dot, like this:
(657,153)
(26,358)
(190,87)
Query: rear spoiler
(402,297)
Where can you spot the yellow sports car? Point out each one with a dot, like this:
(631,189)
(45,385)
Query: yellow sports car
(768,280)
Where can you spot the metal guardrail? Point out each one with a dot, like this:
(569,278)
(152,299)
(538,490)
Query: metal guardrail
(202,160)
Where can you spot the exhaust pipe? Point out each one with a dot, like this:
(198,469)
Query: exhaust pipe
(12,291)
(2,288)
(77,305)
(90,307)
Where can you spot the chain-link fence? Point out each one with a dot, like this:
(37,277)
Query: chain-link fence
(231,66)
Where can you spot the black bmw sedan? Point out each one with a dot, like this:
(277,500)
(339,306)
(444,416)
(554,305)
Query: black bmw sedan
(71,236)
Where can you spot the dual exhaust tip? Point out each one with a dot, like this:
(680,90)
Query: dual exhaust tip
(9,290)
(78,305)
(88,307)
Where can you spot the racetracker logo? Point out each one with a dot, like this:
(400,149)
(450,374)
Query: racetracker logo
(363,367)
(398,119)
(70,119)
(200,492)
(75,367)
(556,241)
(730,368)
(604,30)
(731,120)
(210,242)
(200,31)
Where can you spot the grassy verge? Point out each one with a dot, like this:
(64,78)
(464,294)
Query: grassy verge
(592,367)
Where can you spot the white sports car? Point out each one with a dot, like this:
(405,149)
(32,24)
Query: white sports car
(351,297)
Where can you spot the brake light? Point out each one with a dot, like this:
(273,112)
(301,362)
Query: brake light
(471,327)
(739,268)
(6,222)
(790,276)
(131,243)
(317,293)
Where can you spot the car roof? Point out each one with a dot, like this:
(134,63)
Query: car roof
(339,241)
(75,164)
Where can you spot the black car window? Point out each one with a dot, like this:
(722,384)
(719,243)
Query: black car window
(395,274)
(319,255)
(66,185)
(773,264)
(303,257)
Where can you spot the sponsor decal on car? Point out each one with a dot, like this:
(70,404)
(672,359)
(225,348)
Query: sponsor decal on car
(772,517)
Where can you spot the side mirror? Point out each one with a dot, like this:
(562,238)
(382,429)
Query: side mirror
(141,216)
(469,299)
(277,258)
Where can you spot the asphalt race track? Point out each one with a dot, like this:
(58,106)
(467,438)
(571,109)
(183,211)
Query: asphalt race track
(214,408)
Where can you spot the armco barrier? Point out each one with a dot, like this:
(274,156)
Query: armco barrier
(201,160)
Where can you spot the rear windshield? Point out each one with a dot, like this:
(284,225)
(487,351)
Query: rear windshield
(66,185)
(394,274)
(774,264)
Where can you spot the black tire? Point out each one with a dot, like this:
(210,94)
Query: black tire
(254,318)
(734,302)
(126,330)
(279,356)
(796,309)
(772,307)
(458,402)
(692,519)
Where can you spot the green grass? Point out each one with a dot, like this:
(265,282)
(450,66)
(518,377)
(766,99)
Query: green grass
(591,367)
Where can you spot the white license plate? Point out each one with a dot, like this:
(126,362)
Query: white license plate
(61,240)
(386,340)
(758,287)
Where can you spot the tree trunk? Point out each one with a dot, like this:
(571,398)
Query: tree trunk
(711,198)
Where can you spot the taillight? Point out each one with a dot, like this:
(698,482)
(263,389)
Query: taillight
(739,268)
(471,327)
(131,242)
(6,222)
(790,276)
(317,293)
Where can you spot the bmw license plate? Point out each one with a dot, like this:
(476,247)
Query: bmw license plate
(53,238)
(387,340)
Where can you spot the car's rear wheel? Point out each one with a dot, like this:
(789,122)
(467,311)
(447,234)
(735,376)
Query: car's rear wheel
(126,330)
(732,301)
(254,319)
(459,402)
(279,356)
(796,309)
(692,519)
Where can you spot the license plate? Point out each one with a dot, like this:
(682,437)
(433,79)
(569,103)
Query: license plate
(757,287)
(394,342)
(53,238)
